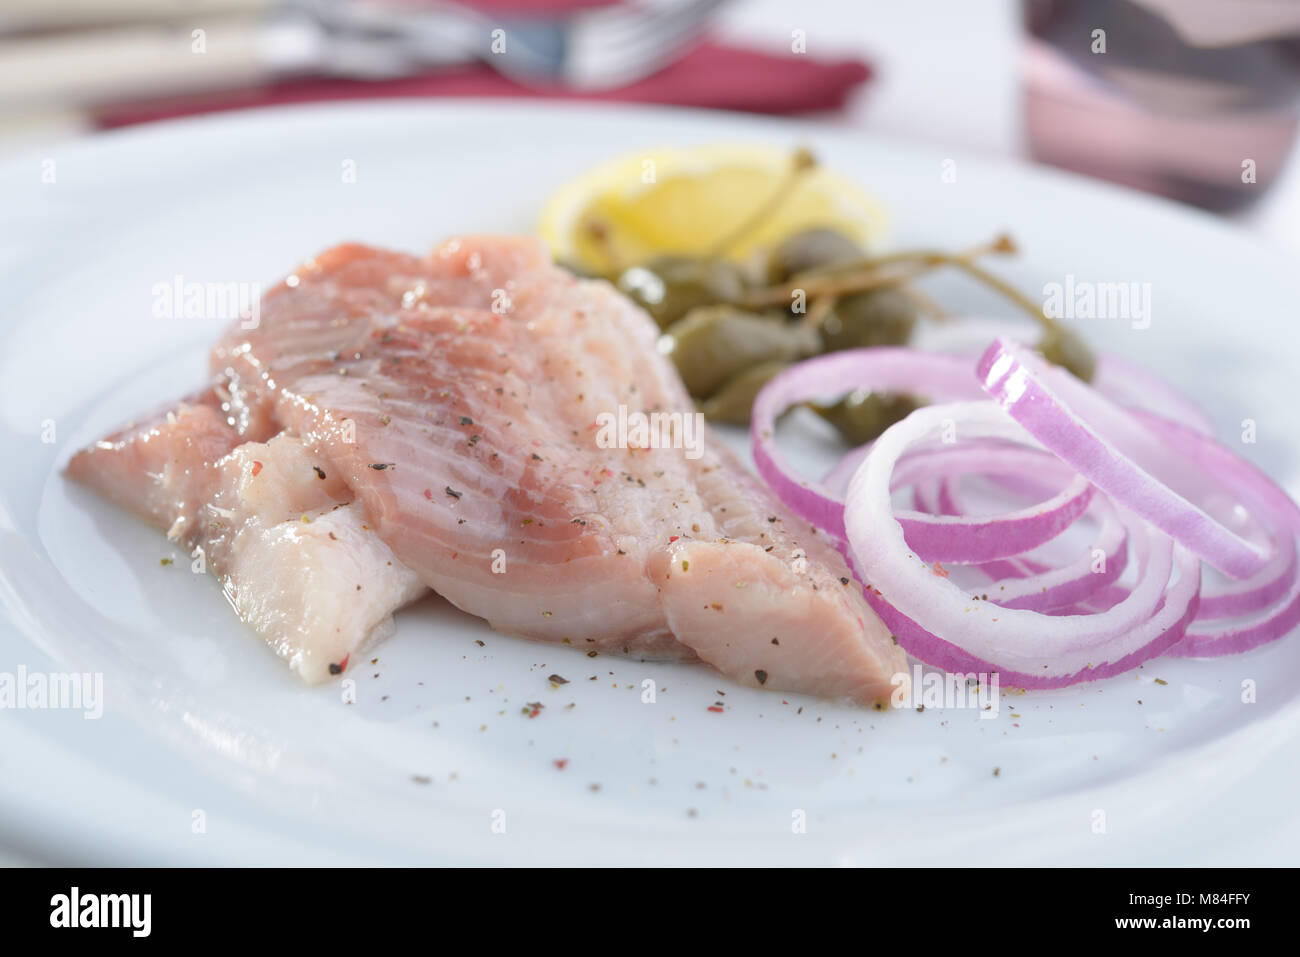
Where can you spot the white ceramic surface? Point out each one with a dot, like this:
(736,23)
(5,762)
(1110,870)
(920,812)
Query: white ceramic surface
(199,717)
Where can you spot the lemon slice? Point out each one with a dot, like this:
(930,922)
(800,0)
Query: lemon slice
(688,201)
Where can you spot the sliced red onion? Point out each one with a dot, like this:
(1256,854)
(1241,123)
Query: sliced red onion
(1248,597)
(940,538)
(1037,587)
(1032,650)
(1212,640)
(1257,603)
(1034,585)
(1225,471)
(1130,385)
(1263,588)
(926,497)
(1267,600)
(968,539)
(837,479)
(1118,453)
(1135,388)
(938,377)
(1266,605)
(1053,626)
(1154,637)
(942,501)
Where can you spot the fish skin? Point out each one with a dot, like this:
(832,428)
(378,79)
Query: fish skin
(456,398)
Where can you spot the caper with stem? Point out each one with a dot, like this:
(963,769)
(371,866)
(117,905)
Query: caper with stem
(671,286)
(712,344)
(1058,344)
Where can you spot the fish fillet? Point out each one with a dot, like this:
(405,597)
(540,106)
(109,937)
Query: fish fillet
(440,418)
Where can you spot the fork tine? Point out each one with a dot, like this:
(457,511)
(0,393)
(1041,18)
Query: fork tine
(599,58)
(622,20)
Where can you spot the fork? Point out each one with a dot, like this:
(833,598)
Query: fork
(591,50)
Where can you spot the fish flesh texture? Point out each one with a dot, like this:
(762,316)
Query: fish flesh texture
(395,423)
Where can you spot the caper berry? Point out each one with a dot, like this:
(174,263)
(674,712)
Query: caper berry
(880,317)
(712,344)
(671,286)
(733,402)
(819,248)
(861,416)
(1064,348)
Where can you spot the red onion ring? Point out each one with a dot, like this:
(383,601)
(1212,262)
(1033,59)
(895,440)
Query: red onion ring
(1131,385)
(936,376)
(1269,599)
(1212,641)
(1137,389)
(1029,649)
(1028,584)
(1115,451)
(967,539)
(1163,487)
(1261,589)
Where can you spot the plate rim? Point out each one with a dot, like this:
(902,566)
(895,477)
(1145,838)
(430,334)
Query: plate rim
(1285,724)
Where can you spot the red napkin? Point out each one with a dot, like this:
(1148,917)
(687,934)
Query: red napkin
(710,75)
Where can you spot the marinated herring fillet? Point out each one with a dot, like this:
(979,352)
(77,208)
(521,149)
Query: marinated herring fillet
(435,421)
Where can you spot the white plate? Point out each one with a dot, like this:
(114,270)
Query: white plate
(200,717)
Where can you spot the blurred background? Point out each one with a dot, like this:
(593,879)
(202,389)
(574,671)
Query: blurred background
(1193,99)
